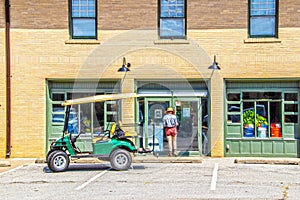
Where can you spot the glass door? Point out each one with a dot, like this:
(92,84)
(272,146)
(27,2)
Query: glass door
(187,112)
(153,130)
(191,114)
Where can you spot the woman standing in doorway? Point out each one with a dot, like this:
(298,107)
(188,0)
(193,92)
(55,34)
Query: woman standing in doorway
(170,125)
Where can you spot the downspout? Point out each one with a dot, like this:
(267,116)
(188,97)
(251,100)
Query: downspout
(8,79)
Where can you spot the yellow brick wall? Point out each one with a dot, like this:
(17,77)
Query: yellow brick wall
(216,90)
(240,57)
(38,55)
(2,95)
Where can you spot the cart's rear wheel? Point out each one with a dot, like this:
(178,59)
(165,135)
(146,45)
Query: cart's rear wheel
(59,161)
(120,159)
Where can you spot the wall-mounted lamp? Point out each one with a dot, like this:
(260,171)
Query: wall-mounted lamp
(215,65)
(125,67)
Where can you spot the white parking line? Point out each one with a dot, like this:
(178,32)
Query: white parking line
(214,178)
(11,170)
(92,179)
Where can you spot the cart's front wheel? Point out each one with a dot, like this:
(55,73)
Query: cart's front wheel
(120,159)
(50,155)
(59,161)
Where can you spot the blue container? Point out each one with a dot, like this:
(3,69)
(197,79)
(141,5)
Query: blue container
(249,132)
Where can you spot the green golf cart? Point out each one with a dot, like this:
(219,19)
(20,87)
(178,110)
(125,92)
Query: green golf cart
(114,145)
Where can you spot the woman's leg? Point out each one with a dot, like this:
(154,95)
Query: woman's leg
(169,138)
(174,143)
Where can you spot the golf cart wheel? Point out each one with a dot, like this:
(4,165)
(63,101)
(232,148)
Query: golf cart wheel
(120,159)
(59,161)
(49,156)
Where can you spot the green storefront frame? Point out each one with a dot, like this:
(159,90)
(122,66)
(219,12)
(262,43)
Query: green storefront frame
(63,89)
(287,144)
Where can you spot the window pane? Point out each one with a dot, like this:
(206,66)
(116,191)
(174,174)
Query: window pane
(233,119)
(172,27)
(83,8)
(275,112)
(99,116)
(261,95)
(262,108)
(262,26)
(291,108)
(84,27)
(58,97)
(291,97)
(291,118)
(263,7)
(248,119)
(233,97)
(234,108)
(172,8)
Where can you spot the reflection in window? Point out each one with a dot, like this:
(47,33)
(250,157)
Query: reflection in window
(172,19)
(234,118)
(263,114)
(83,19)
(234,108)
(263,18)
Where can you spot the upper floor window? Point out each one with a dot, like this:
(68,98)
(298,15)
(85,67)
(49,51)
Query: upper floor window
(172,19)
(83,19)
(263,18)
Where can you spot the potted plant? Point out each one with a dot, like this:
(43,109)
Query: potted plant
(261,121)
(261,124)
(248,122)
(249,119)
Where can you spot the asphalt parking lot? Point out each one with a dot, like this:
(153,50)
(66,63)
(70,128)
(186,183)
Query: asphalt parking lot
(213,178)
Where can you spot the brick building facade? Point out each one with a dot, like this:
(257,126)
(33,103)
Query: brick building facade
(46,61)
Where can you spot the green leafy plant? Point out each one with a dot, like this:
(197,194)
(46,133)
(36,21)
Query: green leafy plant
(249,118)
(260,120)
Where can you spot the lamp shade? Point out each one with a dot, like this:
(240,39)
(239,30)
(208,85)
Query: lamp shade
(215,65)
(124,69)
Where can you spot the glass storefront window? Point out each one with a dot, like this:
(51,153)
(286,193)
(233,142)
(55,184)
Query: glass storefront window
(262,114)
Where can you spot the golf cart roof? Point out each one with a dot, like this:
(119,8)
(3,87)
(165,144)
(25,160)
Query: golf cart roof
(99,98)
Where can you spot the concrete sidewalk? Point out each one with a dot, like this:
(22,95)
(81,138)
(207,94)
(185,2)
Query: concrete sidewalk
(11,163)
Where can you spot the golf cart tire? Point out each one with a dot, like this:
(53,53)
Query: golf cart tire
(49,156)
(120,159)
(59,161)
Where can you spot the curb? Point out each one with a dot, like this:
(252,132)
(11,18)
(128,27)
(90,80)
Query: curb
(5,163)
(280,161)
(152,159)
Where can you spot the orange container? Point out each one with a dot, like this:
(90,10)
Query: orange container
(276,130)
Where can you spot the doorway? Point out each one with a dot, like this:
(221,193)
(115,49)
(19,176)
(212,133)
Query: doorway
(190,112)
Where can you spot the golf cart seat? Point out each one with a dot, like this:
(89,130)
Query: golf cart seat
(117,131)
(102,137)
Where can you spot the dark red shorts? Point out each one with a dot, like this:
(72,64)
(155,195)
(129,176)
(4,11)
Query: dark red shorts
(172,131)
